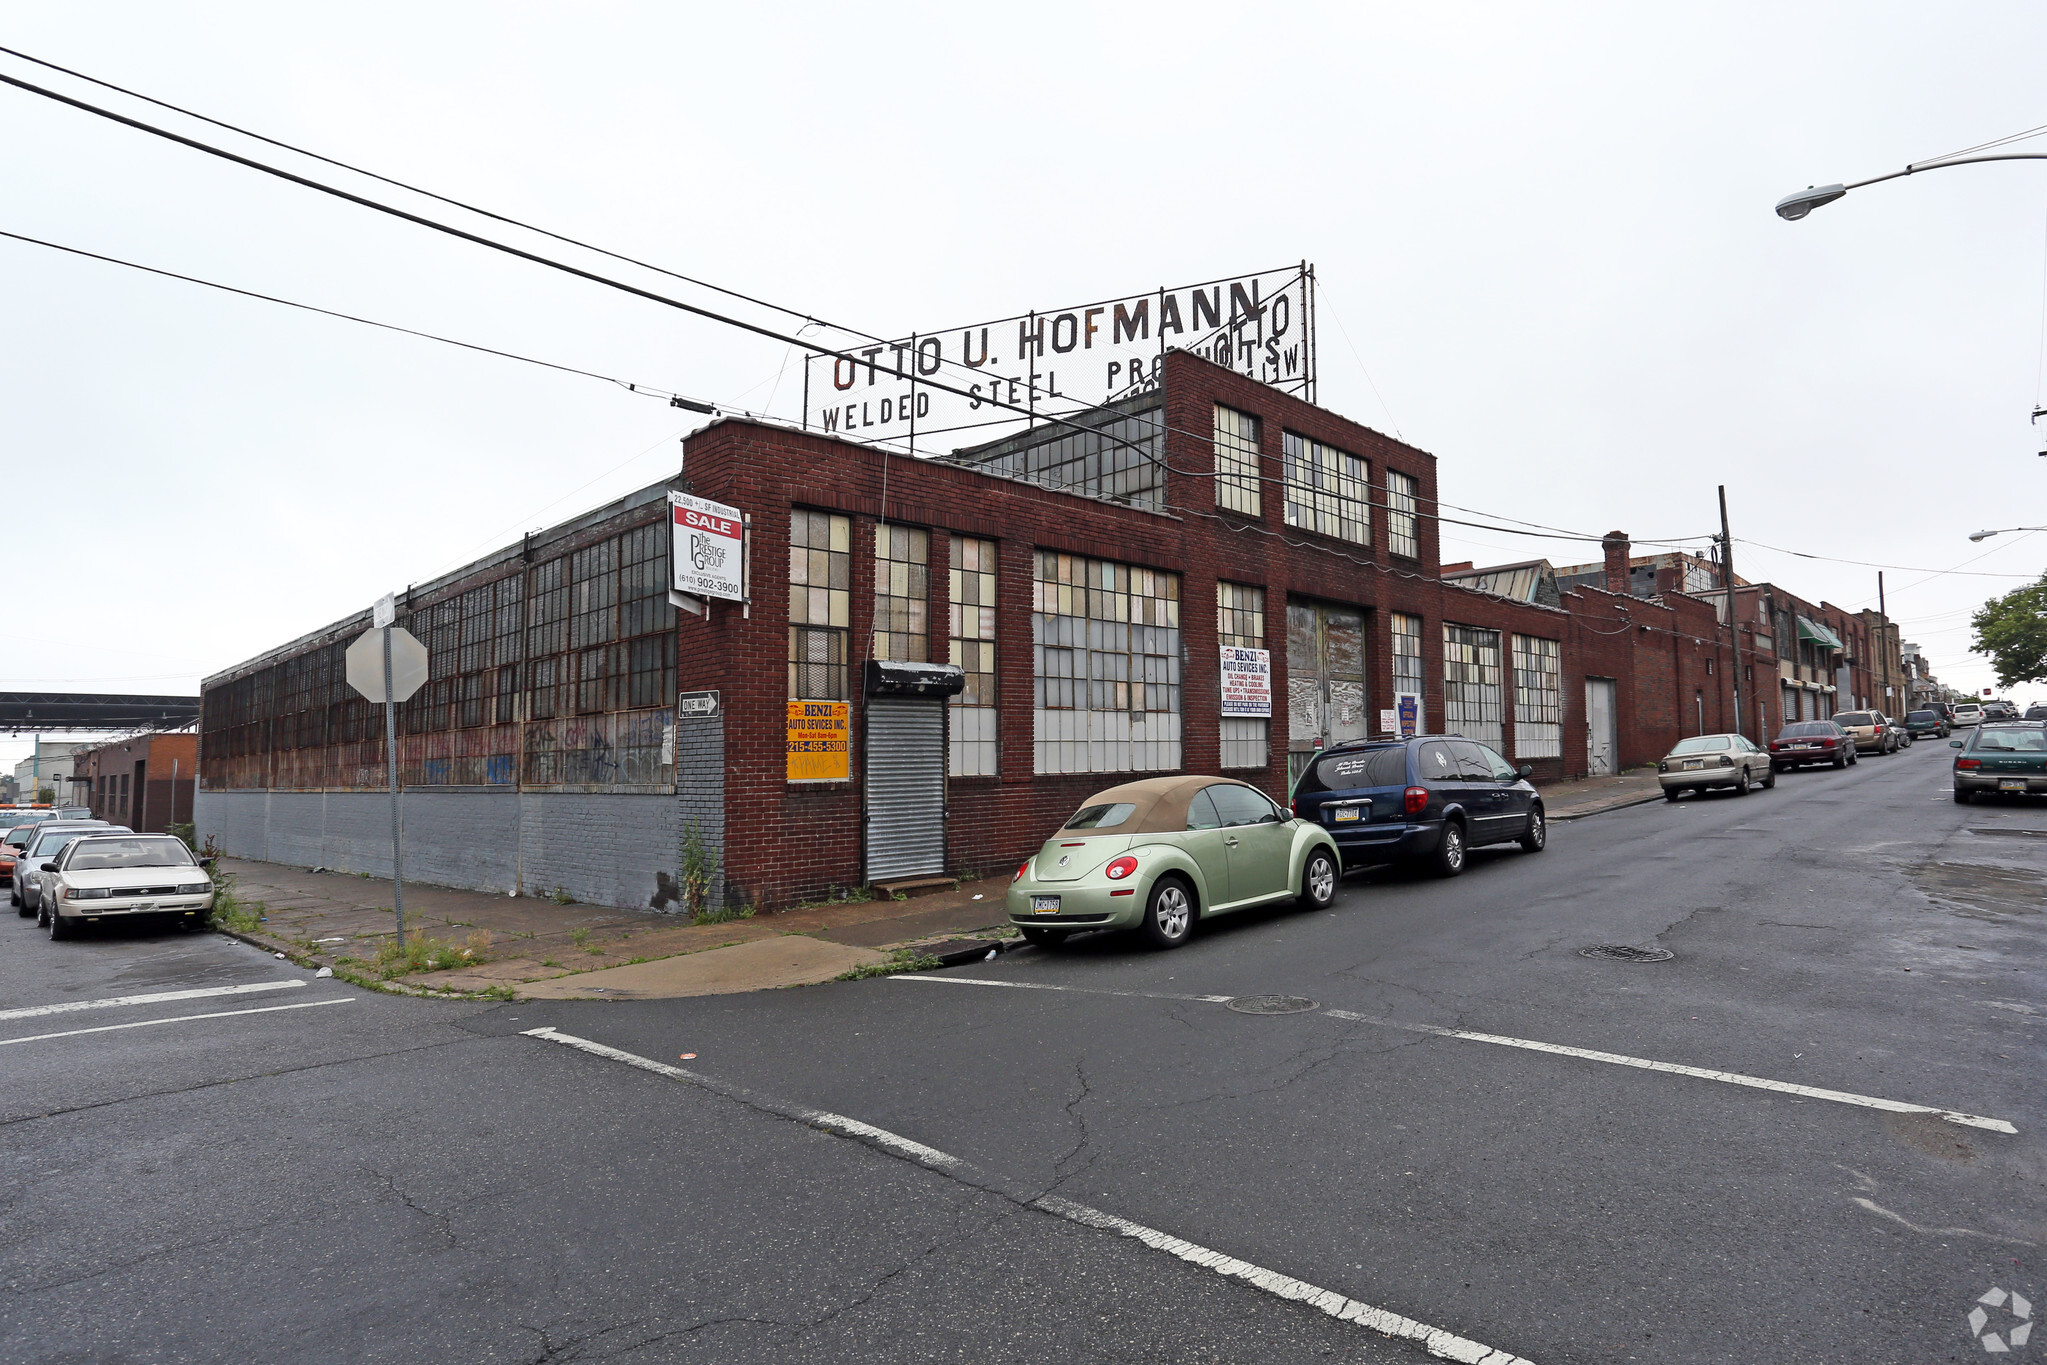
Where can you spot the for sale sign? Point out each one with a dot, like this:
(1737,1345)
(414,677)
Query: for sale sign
(709,553)
(1247,681)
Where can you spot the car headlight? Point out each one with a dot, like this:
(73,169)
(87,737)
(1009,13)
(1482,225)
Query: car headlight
(195,888)
(87,893)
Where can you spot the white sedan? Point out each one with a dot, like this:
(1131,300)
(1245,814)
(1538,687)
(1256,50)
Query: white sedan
(122,876)
(1707,761)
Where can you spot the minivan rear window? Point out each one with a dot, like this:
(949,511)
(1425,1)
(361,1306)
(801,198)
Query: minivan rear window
(1361,768)
(1854,718)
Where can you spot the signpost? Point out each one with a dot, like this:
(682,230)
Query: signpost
(388,664)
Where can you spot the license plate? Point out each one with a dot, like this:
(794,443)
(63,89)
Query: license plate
(1805,746)
(1693,763)
(2011,784)
(1044,905)
(1343,813)
(146,905)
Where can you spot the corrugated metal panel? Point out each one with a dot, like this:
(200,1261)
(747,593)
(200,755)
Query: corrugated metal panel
(905,779)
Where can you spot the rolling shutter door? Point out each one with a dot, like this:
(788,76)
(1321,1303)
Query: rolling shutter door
(905,787)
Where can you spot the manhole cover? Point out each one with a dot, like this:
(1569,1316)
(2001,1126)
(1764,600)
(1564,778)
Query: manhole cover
(1624,952)
(1272,1004)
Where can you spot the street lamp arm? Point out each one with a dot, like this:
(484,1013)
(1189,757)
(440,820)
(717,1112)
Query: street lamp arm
(1985,535)
(1799,203)
(1918,166)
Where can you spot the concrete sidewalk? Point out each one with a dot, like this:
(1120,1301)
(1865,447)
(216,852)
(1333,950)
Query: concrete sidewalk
(535,948)
(1590,795)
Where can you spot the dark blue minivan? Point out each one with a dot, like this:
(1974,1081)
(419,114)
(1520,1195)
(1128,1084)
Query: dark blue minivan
(1426,800)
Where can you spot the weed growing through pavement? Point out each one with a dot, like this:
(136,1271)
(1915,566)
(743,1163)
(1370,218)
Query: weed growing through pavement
(900,960)
(561,897)
(724,916)
(549,962)
(579,936)
(423,953)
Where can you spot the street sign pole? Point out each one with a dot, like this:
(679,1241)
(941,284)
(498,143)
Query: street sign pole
(391,769)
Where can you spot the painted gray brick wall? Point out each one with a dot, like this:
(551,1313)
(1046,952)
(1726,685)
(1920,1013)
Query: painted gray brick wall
(700,788)
(600,848)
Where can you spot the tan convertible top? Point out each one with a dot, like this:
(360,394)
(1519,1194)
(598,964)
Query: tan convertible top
(1161,803)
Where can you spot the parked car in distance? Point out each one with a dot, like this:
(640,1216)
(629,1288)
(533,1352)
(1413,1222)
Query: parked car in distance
(124,875)
(11,845)
(1926,722)
(1428,800)
(2036,712)
(49,841)
(2009,758)
(1701,762)
(1811,741)
(1870,731)
(1967,713)
(1158,854)
(1899,731)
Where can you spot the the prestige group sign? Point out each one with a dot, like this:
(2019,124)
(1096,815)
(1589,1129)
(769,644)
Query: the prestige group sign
(1059,362)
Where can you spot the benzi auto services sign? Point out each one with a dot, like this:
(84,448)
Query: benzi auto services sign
(709,553)
(1247,681)
(1000,376)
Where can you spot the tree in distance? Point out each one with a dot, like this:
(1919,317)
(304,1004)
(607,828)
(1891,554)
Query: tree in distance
(2012,630)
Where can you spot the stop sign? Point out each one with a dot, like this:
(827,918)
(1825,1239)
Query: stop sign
(366,664)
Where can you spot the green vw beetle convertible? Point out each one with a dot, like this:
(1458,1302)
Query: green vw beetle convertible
(1159,854)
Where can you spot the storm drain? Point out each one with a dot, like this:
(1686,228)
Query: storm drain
(1271,1004)
(1627,952)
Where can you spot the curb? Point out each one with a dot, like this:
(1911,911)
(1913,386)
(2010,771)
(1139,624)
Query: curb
(1618,805)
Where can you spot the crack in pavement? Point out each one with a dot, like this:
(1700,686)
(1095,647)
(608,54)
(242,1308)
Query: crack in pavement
(440,1217)
(1060,1175)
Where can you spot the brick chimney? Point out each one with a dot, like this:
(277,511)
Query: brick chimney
(1617,553)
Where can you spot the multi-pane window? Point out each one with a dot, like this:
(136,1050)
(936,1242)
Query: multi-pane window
(902,592)
(1236,460)
(1240,622)
(1407,663)
(1471,683)
(1402,499)
(973,743)
(820,603)
(1110,453)
(1105,664)
(1538,698)
(1327,490)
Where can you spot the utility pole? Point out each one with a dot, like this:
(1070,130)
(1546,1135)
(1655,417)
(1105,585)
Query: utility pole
(1733,635)
(1883,648)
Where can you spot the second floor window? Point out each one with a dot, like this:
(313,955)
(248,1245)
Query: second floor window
(1236,461)
(1326,491)
(820,603)
(1402,530)
(902,593)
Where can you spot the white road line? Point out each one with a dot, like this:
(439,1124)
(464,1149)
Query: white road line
(118,1001)
(1530,1044)
(1445,1345)
(180,1019)
(1700,1073)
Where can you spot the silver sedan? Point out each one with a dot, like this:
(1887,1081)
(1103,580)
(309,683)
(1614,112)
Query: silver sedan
(1725,761)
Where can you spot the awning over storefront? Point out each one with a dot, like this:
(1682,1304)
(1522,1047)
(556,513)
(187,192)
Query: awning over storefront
(1809,629)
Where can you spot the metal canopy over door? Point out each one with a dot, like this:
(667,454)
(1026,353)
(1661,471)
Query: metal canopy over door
(1601,739)
(905,787)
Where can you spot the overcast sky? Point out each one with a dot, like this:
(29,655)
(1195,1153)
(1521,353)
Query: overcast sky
(1543,236)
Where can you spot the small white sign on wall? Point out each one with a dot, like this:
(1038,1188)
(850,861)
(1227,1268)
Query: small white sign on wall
(1246,681)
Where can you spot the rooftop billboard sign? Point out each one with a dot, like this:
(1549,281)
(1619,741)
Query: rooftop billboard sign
(967,385)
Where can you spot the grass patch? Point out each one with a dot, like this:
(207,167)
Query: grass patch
(561,897)
(706,915)
(424,953)
(550,962)
(579,937)
(900,960)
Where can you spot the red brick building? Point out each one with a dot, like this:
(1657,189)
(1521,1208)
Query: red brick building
(145,783)
(939,658)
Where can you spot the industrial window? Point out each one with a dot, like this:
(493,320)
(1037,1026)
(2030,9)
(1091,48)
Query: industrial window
(1538,699)
(1240,622)
(1407,653)
(1402,536)
(1327,490)
(820,603)
(1236,460)
(547,618)
(1105,647)
(1471,683)
(1116,456)
(902,592)
(973,744)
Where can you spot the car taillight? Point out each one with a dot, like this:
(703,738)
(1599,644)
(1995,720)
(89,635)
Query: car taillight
(1021,870)
(1726,762)
(1826,744)
(1968,763)
(1415,800)
(1121,868)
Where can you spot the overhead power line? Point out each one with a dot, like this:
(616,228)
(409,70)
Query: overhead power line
(1901,568)
(674,398)
(577,271)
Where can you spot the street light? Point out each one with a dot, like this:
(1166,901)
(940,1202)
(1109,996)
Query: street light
(1793,207)
(1985,535)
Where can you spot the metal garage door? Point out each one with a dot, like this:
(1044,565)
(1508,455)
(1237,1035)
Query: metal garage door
(905,780)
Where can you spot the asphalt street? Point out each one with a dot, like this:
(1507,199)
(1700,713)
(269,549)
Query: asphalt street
(1459,1131)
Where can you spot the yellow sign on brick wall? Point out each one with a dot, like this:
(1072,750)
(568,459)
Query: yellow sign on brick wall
(818,747)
